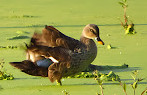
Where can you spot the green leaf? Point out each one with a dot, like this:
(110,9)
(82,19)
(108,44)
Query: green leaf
(139,79)
(133,77)
(124,86)
(103,77)
(125,1)
(135,72)
(134,85)
(121,3)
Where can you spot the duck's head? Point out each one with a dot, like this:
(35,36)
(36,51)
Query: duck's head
(91,31)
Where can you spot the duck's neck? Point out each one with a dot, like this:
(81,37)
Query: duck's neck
(89,43)
(90,49)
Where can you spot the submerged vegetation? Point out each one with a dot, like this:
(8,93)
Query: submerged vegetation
(101,78)
(92,68)
(3,74)
(21,16)
(70,18)
(19,35)
(65,92)
(111,76)
(8,47)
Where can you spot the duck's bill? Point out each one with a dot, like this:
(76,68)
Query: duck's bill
(100,41)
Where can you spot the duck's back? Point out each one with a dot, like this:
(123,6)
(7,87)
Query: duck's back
(53,38)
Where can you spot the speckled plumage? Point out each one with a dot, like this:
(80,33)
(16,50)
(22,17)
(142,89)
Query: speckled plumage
(73,55)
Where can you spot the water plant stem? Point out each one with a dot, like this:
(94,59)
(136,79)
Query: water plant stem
(101,89)
(144,91)
(134,91)
(125,17)
(123,88)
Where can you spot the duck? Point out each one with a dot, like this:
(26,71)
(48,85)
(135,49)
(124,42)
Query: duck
(54,55)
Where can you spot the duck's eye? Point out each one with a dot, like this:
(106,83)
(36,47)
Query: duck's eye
(92,31)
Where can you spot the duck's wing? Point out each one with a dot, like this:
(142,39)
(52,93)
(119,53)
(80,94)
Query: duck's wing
(51,43)
(52,37)
(30,68)
(61,54)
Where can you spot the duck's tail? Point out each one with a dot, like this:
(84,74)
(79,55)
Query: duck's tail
(30,68)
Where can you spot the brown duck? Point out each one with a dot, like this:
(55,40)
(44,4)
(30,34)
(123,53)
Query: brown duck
(66,56)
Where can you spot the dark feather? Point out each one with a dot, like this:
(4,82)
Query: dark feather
(53,38)
(31,69)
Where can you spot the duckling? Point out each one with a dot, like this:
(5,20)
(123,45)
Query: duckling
(66,56)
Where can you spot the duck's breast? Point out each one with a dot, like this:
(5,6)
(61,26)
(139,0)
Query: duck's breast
(81,60)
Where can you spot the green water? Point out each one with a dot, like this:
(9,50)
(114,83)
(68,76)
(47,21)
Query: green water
(70,16)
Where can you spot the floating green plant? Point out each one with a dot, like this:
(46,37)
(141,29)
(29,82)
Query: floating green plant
(129,28)
(35,25)
(19,35)
(65,92)
(111,76)
(3,74)
(21,16)
(83,75)
(9,47)
(109,46)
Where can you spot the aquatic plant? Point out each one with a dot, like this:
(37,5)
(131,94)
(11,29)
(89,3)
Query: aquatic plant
(129,28)
(100,80)
(134,84)
(21,16)
(3,74)
(123,86)
(136,80)
(19,35)
(111,76)
(145,91)
(65,92)
(9,47)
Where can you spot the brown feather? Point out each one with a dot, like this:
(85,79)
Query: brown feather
(53,38)
(31,69)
